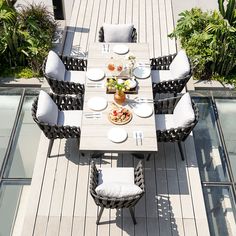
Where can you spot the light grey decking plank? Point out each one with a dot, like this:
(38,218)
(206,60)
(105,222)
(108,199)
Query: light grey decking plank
(129,12)
(150,193)
(46,191)
(136,18)
(79,25)
(70,187)
(71,29)
(109,10)
(173,187)
(149,27)
(156,29)
(115,12)
(101,17)
(195,183)
(162,192)
(37,179)
(58,192)
(170,26)
(122,12)
(86,26)
(163,28)
(81,196)
(142,21)
(94,27)
(190,227)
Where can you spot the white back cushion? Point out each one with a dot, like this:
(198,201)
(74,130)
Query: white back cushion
(180,67)
(47,110)
(119,175)
(183,112)
(118,190)
(117,32)
(55,67)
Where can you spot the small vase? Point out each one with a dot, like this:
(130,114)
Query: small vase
(119,97)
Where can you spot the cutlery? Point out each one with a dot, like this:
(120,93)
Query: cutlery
(94,85)
(141,137)
(136,137)
(144,100)
(93,115)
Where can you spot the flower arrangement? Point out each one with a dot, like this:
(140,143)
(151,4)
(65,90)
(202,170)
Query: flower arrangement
(117,84)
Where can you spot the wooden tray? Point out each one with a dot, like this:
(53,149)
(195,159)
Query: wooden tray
(130,91)
(120,123)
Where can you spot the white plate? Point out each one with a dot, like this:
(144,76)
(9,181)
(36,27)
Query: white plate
(95,74)
(120,49)
(117,135)
(142,72)
(97,103)
(143,110)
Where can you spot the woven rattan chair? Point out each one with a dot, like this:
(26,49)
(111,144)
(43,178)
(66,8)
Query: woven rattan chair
(118,203)
(101,35)
(161,65)
(64,86)
(166,117)
(55,131)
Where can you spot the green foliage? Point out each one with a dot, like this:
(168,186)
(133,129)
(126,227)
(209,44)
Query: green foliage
(228,11)
(26,35)
(209,40)
(19,72)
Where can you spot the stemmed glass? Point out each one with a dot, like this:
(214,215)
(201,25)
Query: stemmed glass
(115,67)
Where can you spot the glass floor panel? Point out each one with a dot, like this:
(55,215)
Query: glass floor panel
(227,114)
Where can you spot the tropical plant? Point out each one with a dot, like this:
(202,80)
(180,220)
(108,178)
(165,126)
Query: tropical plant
(209,40)
(228,10)
(26,35)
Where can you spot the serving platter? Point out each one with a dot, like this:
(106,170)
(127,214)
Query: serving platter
(120,116)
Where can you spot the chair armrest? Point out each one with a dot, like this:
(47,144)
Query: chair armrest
(139,176)
(73,63)
(93,178)
(162,63)
(68,102)
(166,105)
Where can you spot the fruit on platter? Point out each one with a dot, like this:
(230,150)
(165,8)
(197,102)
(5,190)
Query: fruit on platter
(120,115)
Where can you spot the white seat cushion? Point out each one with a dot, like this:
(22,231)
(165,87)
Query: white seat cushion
(117,182)
(117,32)
(54,66)
(47,110)
(161,75)
(116,175)
(164,121)
(183,112)
(70,117)
(118,190)
(75,76)
(180,66)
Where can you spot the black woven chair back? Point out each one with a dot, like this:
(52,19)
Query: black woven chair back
(166,106)
(59,131)
(172,86)
(125,202)
(66,87)
(101,35)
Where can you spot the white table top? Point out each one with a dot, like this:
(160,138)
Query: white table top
(94,130)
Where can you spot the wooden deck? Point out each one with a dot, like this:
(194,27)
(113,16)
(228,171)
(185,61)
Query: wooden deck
(60,203)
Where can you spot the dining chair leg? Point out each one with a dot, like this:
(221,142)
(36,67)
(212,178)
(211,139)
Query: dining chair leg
(148,156)
(181,150)
(132,215)
(99,215)
(50,147)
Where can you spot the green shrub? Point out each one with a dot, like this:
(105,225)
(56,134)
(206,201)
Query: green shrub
(209,40)
(26,35)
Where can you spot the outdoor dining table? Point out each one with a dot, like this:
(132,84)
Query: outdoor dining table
(96,125)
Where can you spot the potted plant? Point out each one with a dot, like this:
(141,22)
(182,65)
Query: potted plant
(120,86)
